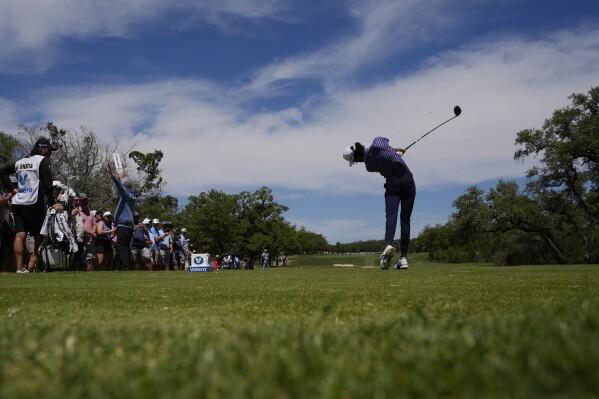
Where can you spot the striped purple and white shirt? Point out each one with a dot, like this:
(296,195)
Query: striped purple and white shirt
(381,157)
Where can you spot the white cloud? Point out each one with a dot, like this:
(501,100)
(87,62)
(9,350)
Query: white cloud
(31,32)
(383,28)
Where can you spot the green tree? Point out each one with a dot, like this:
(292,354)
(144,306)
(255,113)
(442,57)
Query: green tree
(212,220)
(150,201)
(284,238)
(158,207)
(514,210)
(148,168)
(554,218)
(568,148)
(310,242)
(262,223)
(434,240)
(244,224)
(9,148)
(472,216)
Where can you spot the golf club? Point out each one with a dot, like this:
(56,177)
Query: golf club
(456,110)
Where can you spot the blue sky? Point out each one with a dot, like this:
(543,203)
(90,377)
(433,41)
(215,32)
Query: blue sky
(242,94)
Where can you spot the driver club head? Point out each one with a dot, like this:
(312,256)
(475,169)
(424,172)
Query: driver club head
(456,110)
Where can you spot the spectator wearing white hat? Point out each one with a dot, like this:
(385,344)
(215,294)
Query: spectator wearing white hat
(140,245)
(168,245)
(160,249)
(58,191)
(265,259)
(89,229)
(185,246)
(105,231)
(76,221)
(60,220)
(148,224)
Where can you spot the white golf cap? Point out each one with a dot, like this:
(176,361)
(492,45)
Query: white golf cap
(107,213)
(183,230)
(156,221)
(348,155)
(56,183)
(146,221)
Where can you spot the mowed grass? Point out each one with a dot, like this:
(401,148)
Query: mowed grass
(303,331)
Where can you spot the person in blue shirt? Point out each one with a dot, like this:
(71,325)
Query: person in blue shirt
(123,216)
(400,190)
(141,243)
(161,253)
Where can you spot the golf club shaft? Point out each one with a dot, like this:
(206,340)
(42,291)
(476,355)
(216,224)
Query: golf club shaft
(430,131)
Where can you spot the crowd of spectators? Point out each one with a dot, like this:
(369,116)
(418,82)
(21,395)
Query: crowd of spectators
(233,261)
(155,245)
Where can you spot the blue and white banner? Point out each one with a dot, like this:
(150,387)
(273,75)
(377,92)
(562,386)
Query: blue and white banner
(200,263)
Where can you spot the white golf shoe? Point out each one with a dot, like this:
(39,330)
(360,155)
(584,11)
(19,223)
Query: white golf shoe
(387,256)
(402,264)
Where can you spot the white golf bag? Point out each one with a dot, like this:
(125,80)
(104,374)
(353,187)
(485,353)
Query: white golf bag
(60,241)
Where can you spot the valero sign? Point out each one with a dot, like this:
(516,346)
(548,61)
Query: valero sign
(200,263)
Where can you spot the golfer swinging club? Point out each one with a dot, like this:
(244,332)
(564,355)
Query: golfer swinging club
(399,189)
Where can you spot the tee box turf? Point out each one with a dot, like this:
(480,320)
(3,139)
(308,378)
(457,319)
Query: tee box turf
(200,263)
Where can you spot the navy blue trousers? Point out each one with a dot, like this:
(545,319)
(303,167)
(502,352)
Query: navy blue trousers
(124,235)
(400,193)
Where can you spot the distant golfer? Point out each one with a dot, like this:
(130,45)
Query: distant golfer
(399,189)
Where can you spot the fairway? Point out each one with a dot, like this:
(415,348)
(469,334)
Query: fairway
(303,331)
